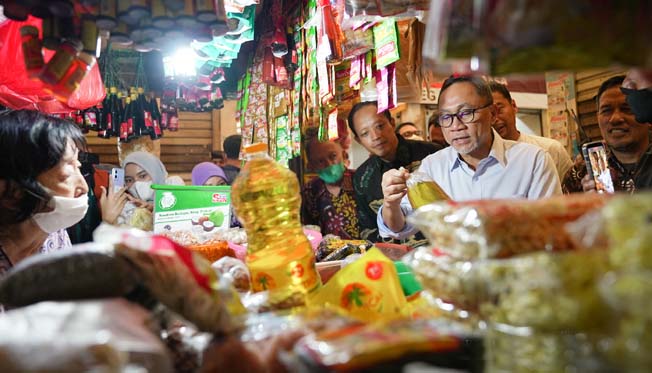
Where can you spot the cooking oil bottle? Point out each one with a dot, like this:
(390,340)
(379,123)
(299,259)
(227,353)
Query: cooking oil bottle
(267,201)
(422,190)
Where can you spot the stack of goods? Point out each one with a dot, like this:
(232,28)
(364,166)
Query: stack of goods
(531,281)
(628,289)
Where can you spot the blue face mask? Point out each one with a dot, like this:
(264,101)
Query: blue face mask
(332,174)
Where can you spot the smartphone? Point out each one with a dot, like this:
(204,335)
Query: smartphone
(595,156)
(118,177)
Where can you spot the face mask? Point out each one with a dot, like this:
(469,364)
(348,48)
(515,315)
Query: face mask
(142,190)
(332,174)
(66,213)
(640,100)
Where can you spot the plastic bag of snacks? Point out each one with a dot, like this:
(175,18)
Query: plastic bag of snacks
(233,270)
(109,335)
(549,291)
(179,278)
(521,349)
(368,289)
(502,228)
(629,227)
(365,346)
(87,271)
(334,248)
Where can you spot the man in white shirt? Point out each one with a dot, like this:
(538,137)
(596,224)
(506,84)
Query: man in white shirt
(505,125)
(479,164)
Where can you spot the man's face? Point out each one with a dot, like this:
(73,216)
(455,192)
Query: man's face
(466,138)
(505,123)
(436,135)
(617,124)
(375,132)
(325,154)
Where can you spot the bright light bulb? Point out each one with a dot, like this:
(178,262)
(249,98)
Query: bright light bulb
(181,63)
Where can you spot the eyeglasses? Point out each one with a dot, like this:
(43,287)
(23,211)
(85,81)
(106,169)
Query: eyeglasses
(407,134)
(465,116)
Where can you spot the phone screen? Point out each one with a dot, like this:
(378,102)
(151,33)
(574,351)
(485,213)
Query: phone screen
(118,176)
(597,166)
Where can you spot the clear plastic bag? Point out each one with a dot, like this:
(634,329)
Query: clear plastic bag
(106,335)
(422,190)
(502,228)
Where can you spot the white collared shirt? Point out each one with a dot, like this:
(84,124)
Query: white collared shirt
(512,170)
(558,153)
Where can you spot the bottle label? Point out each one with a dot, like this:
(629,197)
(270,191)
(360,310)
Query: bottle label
(157,128)
(124,131)
(130,126)
(109,121)
(148,119)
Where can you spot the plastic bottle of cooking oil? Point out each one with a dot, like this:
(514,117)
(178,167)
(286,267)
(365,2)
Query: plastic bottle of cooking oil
(267,201)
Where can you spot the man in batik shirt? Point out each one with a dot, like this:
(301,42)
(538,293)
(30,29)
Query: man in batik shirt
(375,132)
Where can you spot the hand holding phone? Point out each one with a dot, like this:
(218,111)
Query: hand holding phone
(597,166)
(118,178)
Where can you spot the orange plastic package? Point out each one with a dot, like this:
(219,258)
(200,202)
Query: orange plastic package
(367,289)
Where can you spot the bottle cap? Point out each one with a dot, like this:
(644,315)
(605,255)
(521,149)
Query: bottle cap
(255,148)
(86,58)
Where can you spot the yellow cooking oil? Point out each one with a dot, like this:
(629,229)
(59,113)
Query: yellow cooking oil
(267,200)
(422,190)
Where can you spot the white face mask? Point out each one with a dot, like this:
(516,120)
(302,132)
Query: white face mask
(142,190)
(66,213)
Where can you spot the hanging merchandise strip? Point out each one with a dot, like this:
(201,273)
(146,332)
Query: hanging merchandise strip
(298,94)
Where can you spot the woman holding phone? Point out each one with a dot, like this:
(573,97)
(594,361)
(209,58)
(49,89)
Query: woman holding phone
(134,201)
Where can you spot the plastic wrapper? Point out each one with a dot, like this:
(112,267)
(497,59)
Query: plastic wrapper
(334,248)
(179,278)
(361,346)
(486,228)
(368,289)
(629,228)
(17,91)
(521,349)
(83,272)
(235,271)
(422,190)
(545,291)
(108,335)
(550,292)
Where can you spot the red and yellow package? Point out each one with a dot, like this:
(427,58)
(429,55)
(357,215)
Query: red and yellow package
(367,289)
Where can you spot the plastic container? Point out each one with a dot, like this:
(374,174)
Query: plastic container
(61,62)
(267,201)
(74,76)
(31,51)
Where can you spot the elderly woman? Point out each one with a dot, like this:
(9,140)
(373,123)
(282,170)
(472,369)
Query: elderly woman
(142,170)
(42,191)
(208,173)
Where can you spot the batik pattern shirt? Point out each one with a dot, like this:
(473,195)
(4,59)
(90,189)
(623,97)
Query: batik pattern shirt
(622,175)
(333,214)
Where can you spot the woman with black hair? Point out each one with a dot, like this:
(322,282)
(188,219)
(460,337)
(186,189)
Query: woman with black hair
(42,191)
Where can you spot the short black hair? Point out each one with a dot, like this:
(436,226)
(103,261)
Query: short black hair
(232,146)
(403,125)
(434,121)
(217,154)
(614,81)
(359,106)
(481,86)
(30,144)
(500,88)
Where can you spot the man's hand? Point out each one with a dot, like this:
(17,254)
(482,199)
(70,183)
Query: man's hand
(394,187)
(588,184)
(112,203)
